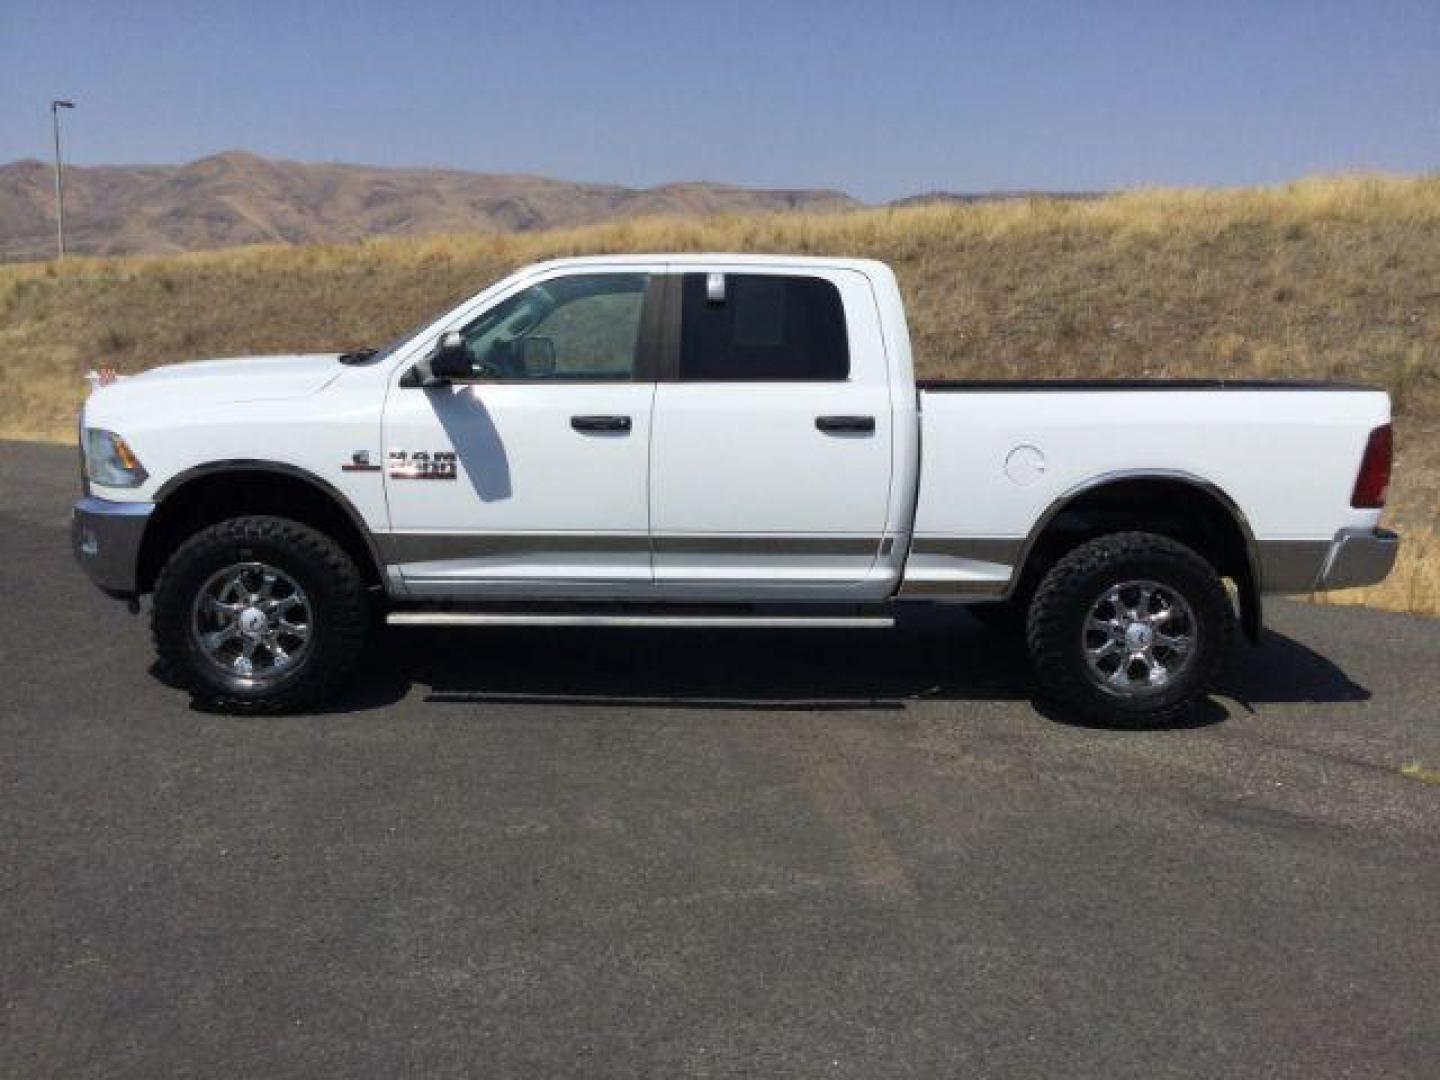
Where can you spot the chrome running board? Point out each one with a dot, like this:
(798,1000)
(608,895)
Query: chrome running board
(724,622)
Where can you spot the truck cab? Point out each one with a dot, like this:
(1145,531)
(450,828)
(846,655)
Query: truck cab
(647,431)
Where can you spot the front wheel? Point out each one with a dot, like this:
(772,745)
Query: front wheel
(259,614)
(1130,629)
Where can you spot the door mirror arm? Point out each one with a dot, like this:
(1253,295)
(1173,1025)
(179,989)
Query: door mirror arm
(421,377)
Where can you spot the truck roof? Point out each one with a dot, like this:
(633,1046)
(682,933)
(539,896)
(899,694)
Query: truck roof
(704,258)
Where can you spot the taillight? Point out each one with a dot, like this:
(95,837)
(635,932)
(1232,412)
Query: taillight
(1374,478)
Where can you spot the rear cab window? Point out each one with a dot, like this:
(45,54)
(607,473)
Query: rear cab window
(762,328)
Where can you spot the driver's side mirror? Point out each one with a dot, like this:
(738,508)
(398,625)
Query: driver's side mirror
(450,359)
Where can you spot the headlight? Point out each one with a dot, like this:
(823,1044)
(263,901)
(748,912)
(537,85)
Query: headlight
(109,462)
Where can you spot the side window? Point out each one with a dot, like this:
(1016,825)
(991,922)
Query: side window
(765,327)
(583,327)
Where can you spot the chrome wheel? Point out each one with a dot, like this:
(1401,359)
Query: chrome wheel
(252,621)
(1138,637)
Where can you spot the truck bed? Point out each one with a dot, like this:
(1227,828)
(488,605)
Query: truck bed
(998,456)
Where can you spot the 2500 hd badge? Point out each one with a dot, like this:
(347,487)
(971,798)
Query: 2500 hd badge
(422,465)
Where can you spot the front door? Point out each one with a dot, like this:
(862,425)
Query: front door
(771,451)
(530,479)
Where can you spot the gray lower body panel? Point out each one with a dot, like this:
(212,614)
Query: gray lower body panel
(106,537)
(962,569)
(1352,558)
(580,566)
(976,568)
(1359,557)
(438,547)
(1291,566)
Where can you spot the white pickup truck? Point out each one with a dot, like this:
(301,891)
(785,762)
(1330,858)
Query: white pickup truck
(713,441)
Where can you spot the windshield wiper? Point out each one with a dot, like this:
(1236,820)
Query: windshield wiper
(359,356)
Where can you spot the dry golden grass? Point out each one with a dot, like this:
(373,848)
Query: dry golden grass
(1325,278)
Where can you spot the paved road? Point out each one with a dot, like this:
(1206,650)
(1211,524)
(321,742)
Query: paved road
(573,853)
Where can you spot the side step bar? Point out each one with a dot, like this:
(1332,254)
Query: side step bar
(742,622)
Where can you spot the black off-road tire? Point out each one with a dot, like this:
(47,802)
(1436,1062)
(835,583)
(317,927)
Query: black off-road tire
(1065,598)
(340,615)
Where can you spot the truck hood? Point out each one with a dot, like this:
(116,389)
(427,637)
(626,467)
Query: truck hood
(245,378)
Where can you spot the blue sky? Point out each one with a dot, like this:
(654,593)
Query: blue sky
(880,99)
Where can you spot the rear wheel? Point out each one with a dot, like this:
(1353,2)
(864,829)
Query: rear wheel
(1129,629)
(259,614)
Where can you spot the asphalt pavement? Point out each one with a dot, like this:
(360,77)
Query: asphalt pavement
(693,853)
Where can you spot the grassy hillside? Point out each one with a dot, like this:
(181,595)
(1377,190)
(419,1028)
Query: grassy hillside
(1324,278)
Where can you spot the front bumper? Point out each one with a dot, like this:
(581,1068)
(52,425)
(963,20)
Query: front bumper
(1358,557)
(106,537)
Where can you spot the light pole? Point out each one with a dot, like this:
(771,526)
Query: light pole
(55,107)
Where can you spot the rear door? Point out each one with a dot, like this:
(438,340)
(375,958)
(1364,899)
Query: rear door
(772,435)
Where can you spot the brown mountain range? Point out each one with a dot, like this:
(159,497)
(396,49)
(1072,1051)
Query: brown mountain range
(240,198)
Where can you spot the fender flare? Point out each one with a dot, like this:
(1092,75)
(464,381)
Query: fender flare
(291,472)
(1251,607)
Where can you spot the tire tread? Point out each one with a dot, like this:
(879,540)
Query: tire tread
(343,633)
(1049,626)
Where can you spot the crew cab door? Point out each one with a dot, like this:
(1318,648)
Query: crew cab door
(530,478)
(771,450)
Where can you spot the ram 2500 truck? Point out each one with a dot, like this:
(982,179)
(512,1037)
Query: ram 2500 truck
(717,441)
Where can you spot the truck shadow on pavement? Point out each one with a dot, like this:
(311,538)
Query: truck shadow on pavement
(952,658)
